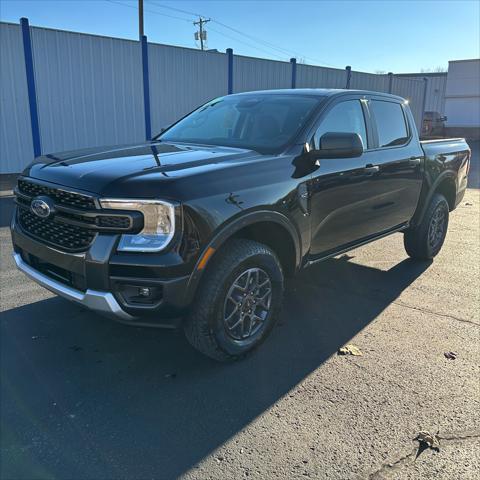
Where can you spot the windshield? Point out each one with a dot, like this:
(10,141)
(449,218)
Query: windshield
(264,123)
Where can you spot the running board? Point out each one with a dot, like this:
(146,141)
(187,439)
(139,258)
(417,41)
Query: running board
(401,227)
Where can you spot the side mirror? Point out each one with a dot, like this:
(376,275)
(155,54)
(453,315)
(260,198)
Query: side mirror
(339,145)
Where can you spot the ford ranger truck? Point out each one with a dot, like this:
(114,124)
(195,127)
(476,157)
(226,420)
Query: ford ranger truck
(199,227)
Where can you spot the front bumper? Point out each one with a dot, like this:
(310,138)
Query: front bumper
(99,277)
(102,302)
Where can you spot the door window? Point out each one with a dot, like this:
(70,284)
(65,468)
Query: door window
(345,117)
(390,120)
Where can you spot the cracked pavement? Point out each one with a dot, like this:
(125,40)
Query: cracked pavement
(84,397)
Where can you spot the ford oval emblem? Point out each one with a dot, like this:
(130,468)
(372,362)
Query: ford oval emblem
(42,207)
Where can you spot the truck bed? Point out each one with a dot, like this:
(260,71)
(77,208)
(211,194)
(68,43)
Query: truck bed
(447,159)
(445,146)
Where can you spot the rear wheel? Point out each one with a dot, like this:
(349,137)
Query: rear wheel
(426,240)
(238,301)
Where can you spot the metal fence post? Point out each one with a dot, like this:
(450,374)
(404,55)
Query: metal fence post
(293,61)
(31,88)
(390,82)
(424,102)
(230,70)
(348,68)
(146,88)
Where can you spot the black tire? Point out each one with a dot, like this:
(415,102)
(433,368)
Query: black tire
(426,240)
(206,328)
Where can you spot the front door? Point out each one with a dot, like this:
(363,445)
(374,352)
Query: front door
(341,188)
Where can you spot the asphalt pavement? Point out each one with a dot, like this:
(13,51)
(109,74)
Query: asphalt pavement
(83,397)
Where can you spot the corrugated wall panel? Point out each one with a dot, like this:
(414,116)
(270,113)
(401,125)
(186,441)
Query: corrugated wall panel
(436,90)
(436,94)
(412,90)
(89,90)
(251,74)
(182,79)
(369,81)
(16,147)
(320,77)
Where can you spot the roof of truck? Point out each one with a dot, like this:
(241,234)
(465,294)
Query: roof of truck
(321,92)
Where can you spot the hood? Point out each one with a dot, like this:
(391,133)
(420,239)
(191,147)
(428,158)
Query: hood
(130,169)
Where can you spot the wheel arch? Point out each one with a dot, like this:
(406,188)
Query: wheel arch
(268,227)
(448,188)
(445,184)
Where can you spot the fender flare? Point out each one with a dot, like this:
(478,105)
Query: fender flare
(228,230)
(447,174)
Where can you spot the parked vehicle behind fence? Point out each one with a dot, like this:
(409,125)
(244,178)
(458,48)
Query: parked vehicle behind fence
(433,124)
(200,226)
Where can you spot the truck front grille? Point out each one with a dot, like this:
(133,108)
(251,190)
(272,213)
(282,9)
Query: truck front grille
(74,218)
(114,221)
(61,197)
(65,237)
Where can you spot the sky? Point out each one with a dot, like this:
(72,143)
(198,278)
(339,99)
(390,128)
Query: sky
(372,36)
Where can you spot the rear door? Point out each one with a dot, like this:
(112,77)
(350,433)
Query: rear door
(398,159)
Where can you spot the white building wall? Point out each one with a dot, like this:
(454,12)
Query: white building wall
(462,96)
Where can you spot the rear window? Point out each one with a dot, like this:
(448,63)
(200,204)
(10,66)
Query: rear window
(390,120)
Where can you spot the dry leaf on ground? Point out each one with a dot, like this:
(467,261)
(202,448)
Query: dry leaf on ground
(350,350)
(428,440)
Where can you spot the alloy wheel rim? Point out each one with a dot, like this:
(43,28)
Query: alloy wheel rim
(247,304)
(437,226)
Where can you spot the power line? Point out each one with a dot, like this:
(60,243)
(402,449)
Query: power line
(147,10)
(256,39)
(247,44)
(212,29)
(269,45)
(176,9)
(222,25)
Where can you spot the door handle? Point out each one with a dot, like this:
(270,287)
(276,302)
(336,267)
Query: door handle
(369,168)
(414,160)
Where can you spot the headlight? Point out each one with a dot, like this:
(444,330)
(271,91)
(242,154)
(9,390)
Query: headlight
(158,224)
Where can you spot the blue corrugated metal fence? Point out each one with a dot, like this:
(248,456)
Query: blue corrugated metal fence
(64,90)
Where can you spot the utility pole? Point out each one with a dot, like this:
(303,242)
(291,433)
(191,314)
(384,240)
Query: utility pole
(201,34)
(140,19)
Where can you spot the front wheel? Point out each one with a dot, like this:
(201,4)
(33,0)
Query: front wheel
(426,240)
(238,301)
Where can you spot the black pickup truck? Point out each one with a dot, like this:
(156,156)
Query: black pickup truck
(199,226)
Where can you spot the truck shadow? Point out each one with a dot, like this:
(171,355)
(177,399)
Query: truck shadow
(84,397)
